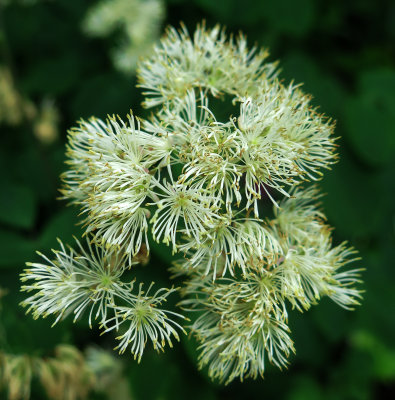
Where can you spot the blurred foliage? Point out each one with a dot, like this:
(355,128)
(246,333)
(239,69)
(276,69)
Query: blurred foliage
(343,52)
(140,21)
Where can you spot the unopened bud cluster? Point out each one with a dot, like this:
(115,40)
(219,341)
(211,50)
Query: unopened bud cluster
(202,186)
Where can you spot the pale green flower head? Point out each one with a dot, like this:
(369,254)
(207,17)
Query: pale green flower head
(90,281)
(138,20)
(227,194)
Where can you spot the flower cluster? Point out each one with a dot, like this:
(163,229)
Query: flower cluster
(227,195)
(243,319)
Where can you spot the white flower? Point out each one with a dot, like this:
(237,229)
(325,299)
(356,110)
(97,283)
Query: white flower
(210,150)
(340,285)
(128,233)
(193,207)
(144,319)
(206,61)
(241,323)
(236,353)
(111,176)
(74,282)
(230,244)
(91,280)
(309,265)
(287,142)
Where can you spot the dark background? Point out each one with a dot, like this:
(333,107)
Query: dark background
(343,52)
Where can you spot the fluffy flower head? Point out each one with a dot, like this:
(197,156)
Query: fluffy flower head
(218,174)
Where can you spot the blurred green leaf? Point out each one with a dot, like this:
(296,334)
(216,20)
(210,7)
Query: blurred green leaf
(289,16)
(352,202)
(103,95)
(222,9)
(142,379)
(175,382)
(27,335)
(370,117)
(17,205)
(64,225)
(15,249)
(378,83)
(304,387)
(383,357)
(331,319)
(163,252)
(328,93)
(351,379)
(37,172)
(310,348)
(233,12)
(53,76)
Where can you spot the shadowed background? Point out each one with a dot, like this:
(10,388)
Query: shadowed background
(52,74)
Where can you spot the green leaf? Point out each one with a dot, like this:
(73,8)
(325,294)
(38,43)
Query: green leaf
(351,378)
(378,83)
(15,249)
(353,203)
(327,91)
(304,387)
(37,172)
(370,117)
(332,320)
(310,348)
(383,357)
(289,16)
(103,95)
(24,334)
(55,75)
(222,9)
(17,205)
(62,225)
